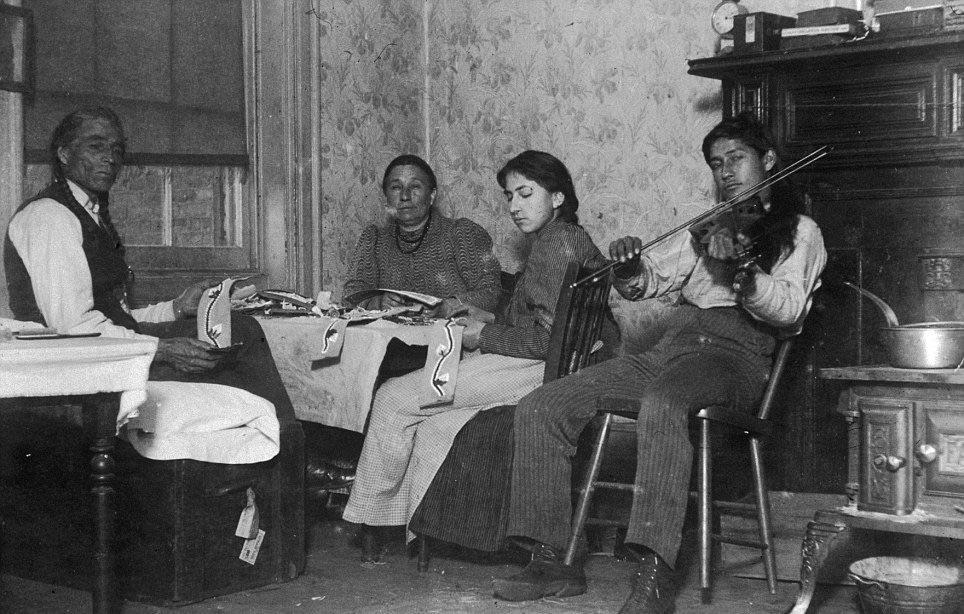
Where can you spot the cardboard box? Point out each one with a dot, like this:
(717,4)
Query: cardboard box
(759,31)
(828,17)
(917,19)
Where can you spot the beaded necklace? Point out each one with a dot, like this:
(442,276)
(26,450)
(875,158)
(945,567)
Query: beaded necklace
(413,243)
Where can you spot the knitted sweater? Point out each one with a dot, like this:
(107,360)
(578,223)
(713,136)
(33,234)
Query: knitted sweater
(454,259)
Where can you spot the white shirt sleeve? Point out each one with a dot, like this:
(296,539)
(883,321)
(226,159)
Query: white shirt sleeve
(783,297)
(49,240)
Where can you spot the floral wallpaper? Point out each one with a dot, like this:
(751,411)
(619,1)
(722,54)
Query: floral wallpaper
(372,80)
(601,84)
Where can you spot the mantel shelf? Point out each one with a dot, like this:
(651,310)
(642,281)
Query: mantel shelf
(728,66)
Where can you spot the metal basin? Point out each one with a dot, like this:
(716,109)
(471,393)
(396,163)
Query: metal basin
(927,345)
(899,585)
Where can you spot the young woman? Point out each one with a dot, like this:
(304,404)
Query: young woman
(503,358)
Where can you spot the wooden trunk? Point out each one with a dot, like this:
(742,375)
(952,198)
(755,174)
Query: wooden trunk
(176,520)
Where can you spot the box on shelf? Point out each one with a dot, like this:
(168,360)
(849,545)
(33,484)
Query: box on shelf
(759,31)
(819,36)
(827,17)
(931,18)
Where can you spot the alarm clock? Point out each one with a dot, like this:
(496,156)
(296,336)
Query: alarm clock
(722,22)
(723,14)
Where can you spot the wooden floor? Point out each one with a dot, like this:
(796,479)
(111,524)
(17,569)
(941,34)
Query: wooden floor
(336,581)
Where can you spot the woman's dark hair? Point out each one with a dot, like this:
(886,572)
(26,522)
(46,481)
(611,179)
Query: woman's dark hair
(66,132)
(774,233)
(550,173)
(410,160)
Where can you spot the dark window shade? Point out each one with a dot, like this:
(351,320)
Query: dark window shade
(171,69)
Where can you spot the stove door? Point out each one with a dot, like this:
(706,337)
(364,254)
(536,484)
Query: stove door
(941,449)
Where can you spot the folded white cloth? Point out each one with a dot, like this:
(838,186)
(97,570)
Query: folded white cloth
(205,422)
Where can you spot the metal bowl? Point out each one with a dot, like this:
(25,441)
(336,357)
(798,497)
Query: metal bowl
(908,585)
(927,345)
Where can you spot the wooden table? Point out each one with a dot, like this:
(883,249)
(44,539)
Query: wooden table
(107,378)
(336,390)
(905,461)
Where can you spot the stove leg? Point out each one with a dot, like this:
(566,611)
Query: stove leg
(817,543)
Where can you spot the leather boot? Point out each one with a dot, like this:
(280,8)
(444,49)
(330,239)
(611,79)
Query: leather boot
(374,544)
(545,576)
(654,586)
(321,474)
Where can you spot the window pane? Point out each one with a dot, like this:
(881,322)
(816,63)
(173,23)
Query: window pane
(204,204)
(137,205)
(181,206)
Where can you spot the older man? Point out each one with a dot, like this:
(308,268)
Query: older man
(65,268)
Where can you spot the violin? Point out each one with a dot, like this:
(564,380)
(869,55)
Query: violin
(744,212)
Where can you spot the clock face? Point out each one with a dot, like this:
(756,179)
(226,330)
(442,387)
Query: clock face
(723,14)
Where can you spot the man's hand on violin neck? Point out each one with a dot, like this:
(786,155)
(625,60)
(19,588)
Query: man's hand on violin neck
(626,252)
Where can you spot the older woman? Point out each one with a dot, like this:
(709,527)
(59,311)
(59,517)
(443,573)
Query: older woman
(503,360)
(421,250)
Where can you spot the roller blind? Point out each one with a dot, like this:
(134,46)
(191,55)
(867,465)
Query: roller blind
(172,70)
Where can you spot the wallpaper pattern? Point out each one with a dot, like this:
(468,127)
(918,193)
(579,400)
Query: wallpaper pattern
(601,84)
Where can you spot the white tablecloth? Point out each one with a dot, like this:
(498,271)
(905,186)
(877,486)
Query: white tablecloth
(334,391)
(55,367)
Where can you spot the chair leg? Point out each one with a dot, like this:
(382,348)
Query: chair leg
(705,520)
(423,553)
(588,485)
(763,516)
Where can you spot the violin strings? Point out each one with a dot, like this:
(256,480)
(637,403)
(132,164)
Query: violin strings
(808,159)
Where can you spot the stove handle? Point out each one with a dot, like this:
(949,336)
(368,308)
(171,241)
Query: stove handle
(891,463)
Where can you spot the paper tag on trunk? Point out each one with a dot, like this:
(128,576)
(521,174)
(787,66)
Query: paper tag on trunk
(249,552)
(250,519)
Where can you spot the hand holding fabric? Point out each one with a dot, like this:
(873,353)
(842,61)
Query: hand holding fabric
(186,304)
(472,332)
(187,355)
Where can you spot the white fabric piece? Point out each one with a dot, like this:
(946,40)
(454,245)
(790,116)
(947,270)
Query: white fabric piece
(87,365)
(334,391)
(204,422)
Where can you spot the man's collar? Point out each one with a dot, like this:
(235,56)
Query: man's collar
(82,197)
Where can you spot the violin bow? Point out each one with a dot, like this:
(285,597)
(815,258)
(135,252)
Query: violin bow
(783,173)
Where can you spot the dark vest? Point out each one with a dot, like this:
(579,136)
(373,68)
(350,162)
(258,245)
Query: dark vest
(105,258)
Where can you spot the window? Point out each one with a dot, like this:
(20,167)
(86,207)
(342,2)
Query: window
(173,70)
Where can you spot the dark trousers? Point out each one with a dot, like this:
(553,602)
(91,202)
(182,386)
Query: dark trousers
(252,368)
(710,356)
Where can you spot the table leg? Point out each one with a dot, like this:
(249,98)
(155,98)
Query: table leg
(100,422)
(816,545)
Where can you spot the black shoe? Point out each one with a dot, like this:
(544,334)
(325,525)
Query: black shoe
(545,576)
(329,474)
(374,544)
(654,586)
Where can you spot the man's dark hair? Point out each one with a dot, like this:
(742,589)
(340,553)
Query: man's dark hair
(550,173)
(776,230)
(410,160)
(66,132)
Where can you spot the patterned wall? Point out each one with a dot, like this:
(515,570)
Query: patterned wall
(602,84)
(371,111)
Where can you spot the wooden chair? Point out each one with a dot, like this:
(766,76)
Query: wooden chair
(755,427)
(573,343)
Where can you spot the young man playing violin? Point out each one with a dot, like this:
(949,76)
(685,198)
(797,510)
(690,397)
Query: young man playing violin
(716,350)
